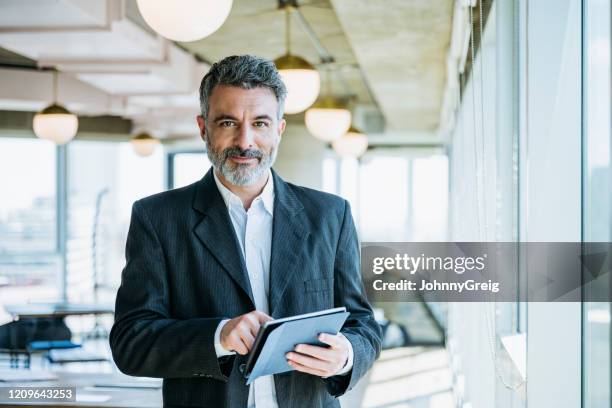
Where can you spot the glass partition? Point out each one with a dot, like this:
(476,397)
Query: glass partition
(596,197)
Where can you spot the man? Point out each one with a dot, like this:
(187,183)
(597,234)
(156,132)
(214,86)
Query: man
(207,264)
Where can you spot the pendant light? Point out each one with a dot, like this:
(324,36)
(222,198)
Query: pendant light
(328,119)
(300,77)
(353,144)
(184,20)
(55,123)
(144,144)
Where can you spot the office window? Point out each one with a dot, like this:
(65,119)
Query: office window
(429,178)
(104,180)
(384,198)
(187,167)
(350,185)
(329,175)
(398,194)
(28,258)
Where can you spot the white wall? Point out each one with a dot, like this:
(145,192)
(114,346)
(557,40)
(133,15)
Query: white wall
(300,156)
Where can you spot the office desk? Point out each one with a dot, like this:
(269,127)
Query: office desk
(58,310)
(84,383)
(38,310)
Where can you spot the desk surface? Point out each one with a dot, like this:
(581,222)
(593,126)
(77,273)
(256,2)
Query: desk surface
(30,310)
(84,383)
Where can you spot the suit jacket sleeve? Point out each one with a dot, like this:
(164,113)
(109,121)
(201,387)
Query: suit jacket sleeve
(144,339)
(361,329)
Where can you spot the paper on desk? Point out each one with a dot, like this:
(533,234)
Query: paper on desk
(129,384)
(26,375)
(92,397)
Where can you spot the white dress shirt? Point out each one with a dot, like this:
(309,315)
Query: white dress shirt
(254,231)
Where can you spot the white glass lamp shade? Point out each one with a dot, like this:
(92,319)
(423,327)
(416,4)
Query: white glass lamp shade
(302,81)
(55,123)
(185,20)
(352,144)
(144,144)
(328,120)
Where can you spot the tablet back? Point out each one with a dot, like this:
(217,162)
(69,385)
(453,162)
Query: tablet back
(284,337)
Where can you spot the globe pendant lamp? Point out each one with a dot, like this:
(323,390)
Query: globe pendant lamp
(55,123)
(301,78)
(353,144)
(328,119)
(184,20)
(144,144)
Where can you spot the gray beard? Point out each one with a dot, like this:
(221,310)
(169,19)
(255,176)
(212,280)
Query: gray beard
(240,174)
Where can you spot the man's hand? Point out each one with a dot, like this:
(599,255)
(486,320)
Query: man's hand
(321,361)
(239,333)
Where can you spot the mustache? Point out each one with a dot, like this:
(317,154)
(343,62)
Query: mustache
(246,153)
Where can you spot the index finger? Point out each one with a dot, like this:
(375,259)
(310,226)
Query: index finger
(261,316)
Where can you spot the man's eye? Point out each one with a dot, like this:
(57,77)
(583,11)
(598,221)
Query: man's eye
(226,123)
(260,124)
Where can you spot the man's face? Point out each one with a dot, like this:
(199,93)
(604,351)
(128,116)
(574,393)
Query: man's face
(242,132)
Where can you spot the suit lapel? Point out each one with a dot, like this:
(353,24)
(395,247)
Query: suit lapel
(289,232)
(217,234)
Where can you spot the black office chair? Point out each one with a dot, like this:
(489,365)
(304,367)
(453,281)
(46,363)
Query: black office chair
(16,337)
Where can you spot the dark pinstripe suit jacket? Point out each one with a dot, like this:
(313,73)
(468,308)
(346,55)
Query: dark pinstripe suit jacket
(185,272)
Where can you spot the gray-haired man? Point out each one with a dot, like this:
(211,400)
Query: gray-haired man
(207,264)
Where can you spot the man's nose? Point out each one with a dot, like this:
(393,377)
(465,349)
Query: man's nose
(245,137)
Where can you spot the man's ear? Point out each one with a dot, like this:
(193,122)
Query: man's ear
(282,124)
(202,125)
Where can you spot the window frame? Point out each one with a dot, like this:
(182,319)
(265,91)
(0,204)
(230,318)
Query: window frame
(170,162)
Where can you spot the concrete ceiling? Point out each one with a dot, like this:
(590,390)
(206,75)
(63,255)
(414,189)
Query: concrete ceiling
(390,54)
(401,46)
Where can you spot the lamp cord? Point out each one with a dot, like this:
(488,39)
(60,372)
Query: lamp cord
(55,87)
(328,81)
(490,317)
(482,121)
(288,29)
(476,163)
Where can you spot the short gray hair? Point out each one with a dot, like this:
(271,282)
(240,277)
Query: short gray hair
(244,71)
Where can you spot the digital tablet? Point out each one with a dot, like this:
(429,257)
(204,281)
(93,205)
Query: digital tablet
(277,337)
